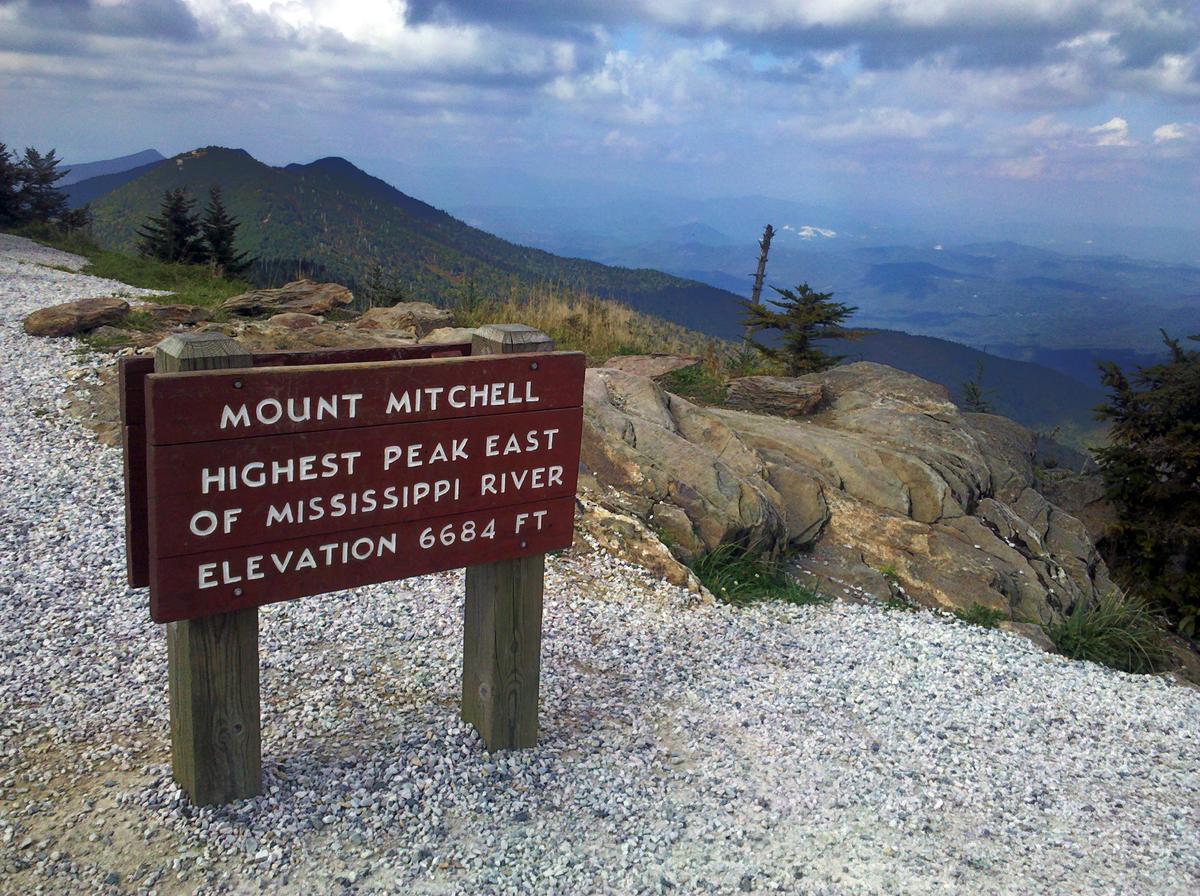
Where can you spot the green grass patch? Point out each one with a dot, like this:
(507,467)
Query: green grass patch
(1117,631)
(695,384)
(978,614)
(188,284)
(739,577)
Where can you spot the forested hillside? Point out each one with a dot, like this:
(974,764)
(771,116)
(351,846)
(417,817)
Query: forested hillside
(331,213)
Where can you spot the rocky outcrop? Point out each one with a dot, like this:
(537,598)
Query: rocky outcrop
(414,319)
(302,296)
(681,471)
(652,366)
(293,320)
(889,487)
(73,318)
(783,395)
(175,315)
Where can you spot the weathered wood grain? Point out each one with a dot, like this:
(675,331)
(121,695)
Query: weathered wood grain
(212,673)
(502,621)
(502,639)
(212,663)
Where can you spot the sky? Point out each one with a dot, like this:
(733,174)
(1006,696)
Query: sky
(1059,110)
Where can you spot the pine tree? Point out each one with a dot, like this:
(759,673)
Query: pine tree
(975,397)
(220,231)
(1151,471)
(10,185)
(380,289)
(40,200)
(174,234)
(804,317)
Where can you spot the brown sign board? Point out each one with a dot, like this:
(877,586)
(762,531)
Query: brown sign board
(132,373)
(275,482)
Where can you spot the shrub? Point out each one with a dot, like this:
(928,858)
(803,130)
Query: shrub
(737,576)
(1117,631)
(1151,471)
(978,614)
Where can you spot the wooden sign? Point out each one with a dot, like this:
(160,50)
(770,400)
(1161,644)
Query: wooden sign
(272,483)
(132,374)
(259,478)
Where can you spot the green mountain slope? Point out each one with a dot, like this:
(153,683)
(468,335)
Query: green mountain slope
(344,219)
(1031,394)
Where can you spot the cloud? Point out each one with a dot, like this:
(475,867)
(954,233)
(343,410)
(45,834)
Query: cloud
(1114,132)
(1174,131)
(884,123)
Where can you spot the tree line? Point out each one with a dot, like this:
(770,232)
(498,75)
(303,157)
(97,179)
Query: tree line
(29,194)
(178,235)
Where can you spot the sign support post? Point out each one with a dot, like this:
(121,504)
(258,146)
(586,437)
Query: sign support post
(212,662)
(502,621)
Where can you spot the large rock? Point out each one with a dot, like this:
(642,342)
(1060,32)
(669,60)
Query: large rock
(652,366)
(442,335)
(302,296)
(175,315)
(413,318)
(293,320)
(783,395)
(893,490)
(681,471)
(72,318)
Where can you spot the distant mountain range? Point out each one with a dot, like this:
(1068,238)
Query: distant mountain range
(345,220)
(83,170)
(1029,303)
(338,216)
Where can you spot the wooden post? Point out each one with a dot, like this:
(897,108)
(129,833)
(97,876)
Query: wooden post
(216,744)
(502,623)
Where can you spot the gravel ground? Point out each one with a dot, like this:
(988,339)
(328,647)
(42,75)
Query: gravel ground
(689,749)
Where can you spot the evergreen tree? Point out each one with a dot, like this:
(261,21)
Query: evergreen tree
(380,289)
(976,398)
(804,316)
(41,200)
(174,234)
(10,186)
(220,231)
(1151,471)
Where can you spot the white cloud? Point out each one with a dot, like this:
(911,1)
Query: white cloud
(1172,131)
(882,123)
(1177,132)
(1114,132)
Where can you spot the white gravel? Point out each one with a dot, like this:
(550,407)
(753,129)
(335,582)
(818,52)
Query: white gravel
(836,749)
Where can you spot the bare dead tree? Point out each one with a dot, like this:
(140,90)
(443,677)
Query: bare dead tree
(764,246)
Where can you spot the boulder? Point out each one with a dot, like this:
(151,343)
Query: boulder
(264,336)
(652,366)
(675,467)
(72,318)
(449,334)
(303,296)
(414,318)
(175,315)
(891,490)
(293,320)
(782,395)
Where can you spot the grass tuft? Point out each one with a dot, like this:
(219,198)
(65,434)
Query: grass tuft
(978,614)
(739,577)
(1118,631)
